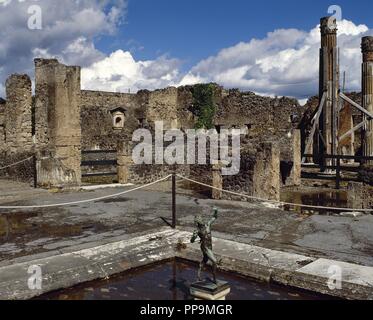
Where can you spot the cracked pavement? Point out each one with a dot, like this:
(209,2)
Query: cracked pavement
(31,231)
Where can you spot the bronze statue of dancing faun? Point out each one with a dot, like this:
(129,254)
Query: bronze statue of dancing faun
(204,233)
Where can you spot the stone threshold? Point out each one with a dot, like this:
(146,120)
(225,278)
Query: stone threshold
(96,261)
(104,186)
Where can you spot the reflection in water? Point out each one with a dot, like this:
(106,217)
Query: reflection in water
(30,226)
(325,198)
(170,281)
(4,228)
(14,224)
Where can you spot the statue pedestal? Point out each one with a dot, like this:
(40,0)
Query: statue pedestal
(208,290)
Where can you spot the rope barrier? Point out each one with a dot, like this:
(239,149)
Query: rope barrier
(275,201)
(16,163)
(281,203)
(86,201)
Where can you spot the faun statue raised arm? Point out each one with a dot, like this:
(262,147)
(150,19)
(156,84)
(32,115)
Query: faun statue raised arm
(203,231)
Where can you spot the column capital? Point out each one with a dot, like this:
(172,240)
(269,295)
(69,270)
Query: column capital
(367,44)
(367,48)
(328,25)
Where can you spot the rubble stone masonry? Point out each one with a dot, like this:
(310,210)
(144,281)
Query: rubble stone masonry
(67,120)
(360,195)
(17,114)
(2,130)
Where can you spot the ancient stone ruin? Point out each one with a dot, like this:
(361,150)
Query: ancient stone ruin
(61,120)
(66,129)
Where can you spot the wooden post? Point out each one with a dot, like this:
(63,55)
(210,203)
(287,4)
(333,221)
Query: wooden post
(174,222)
(315,125)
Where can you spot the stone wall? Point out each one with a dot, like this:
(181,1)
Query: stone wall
(2,129)
(264,116)
(259,174)
(24,171)
(185,101)
(68,120)
(266,120)
(243,182)
(146,173)
(143,174)
(267,117)
(291,170)
(163,105)
(18,115)
(360,195)
(169,105)
(16,143)
(96,119)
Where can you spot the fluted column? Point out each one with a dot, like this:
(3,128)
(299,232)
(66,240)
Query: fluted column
(367,94)
(328,82)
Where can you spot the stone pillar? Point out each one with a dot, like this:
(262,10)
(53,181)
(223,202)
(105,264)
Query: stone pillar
(296,171)
(367,94)
(18,114)
(217,181)
(328,82)
(266,172)
(57,118)
(2,131)
(124,162)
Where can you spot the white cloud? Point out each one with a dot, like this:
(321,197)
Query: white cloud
(190,79)
(285,62)
(120,72)
(68,32)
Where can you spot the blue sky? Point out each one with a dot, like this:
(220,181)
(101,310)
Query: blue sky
(195,29)
(269,47)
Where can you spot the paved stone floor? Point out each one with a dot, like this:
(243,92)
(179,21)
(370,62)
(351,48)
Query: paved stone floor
(29,231)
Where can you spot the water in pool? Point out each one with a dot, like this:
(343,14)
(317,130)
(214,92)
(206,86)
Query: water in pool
(170,280)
